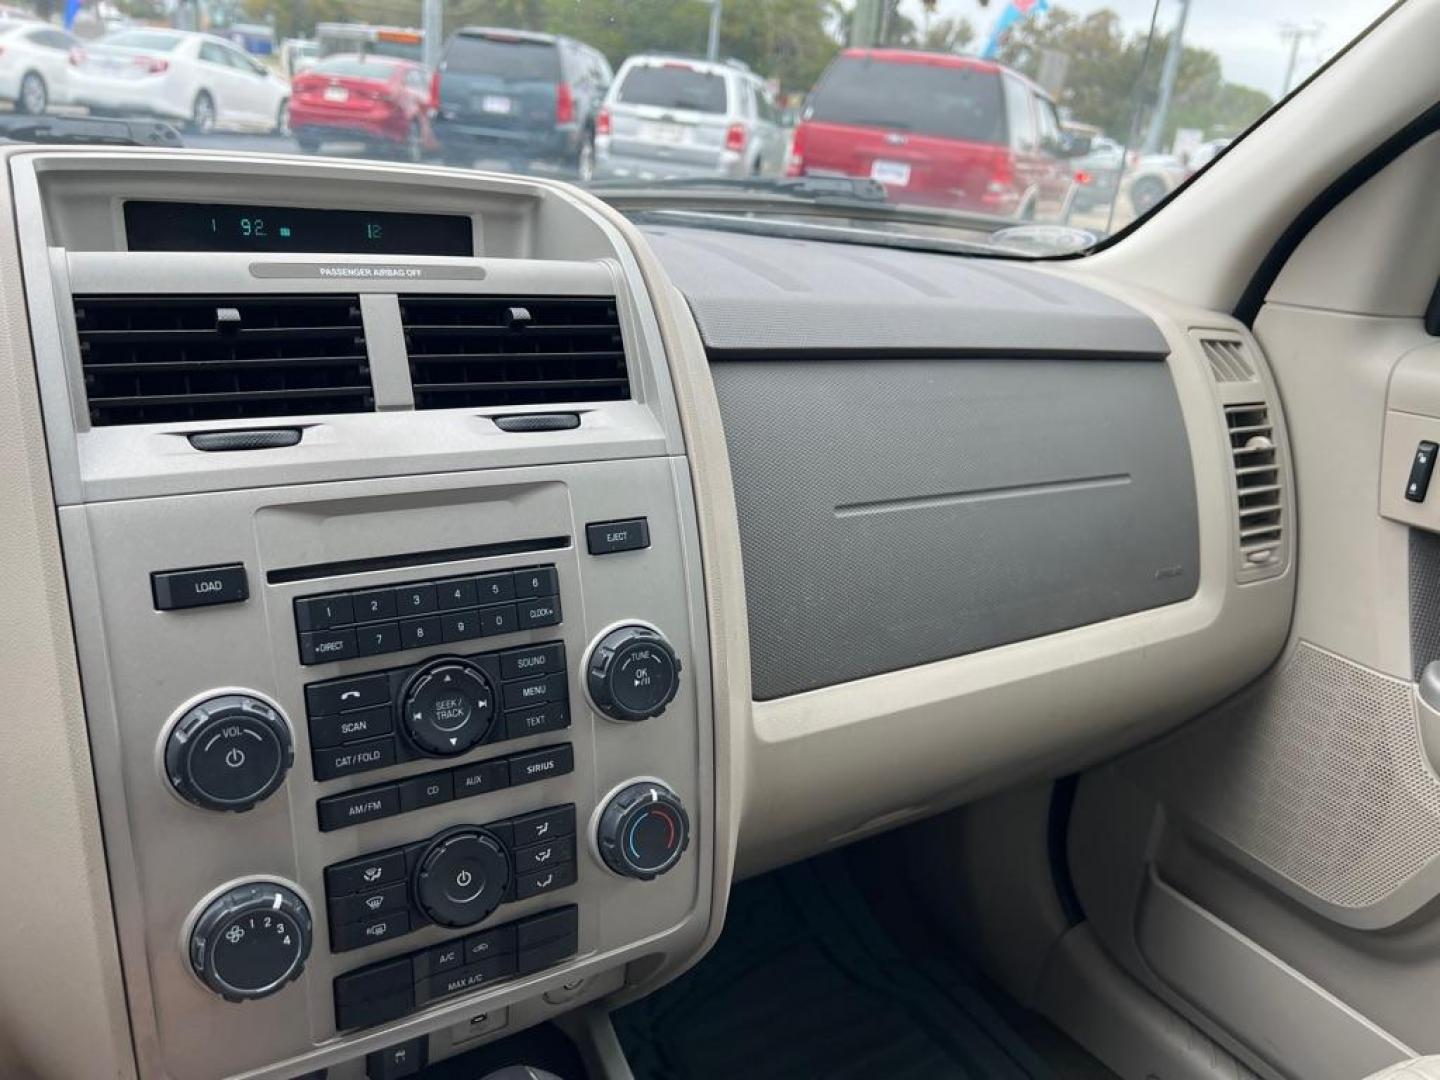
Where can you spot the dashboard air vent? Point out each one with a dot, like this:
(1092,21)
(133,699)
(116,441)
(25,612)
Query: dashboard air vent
(1257,483)
(468,351)
(1228,360)
(162,359)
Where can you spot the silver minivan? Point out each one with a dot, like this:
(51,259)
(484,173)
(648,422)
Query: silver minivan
(668,116)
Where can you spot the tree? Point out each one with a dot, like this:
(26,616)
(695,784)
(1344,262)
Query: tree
(1114,84)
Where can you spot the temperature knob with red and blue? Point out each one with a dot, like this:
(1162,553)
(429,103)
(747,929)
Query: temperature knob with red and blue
(643,830)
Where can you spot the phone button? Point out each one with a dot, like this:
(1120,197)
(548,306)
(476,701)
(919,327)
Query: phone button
(342,695)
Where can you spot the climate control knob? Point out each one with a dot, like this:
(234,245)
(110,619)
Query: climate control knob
(462,876)
(229,753)
(643,830)
(251,941)
(633,673)
(447,707)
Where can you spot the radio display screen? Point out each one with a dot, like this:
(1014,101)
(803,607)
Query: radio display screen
(172,226)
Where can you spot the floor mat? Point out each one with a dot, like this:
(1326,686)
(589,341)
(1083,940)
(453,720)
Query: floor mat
(805,983)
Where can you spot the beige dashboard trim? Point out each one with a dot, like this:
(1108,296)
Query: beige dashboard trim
(704,434)
(62,1001)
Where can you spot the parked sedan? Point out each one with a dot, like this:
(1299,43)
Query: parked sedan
(375,99)
(198,79)
(34,65)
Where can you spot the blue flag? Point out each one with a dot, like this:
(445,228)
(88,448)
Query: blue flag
(72,8)
(1015,11)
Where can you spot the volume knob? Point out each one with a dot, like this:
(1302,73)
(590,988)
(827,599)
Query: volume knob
(229,753)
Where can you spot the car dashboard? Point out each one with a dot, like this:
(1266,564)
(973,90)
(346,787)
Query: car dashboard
(451,630)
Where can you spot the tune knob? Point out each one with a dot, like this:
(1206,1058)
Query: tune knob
(643,830)
(447,707)
(633,673)
(251,941)
(462,876)
(229,753)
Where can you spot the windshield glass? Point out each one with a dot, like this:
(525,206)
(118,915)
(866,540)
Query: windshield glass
(672,86)
(1022,128)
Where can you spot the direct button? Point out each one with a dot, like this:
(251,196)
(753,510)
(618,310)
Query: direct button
(325,646)
(447,707)
(175,590)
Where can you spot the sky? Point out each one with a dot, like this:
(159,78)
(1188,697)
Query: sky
(1244,33)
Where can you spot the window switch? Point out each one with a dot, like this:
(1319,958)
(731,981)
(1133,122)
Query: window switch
(1420,469)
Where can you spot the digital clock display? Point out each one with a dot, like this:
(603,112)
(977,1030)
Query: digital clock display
(168,226)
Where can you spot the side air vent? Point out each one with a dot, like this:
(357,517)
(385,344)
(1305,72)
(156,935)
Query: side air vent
(161,359)
(470,351)
(1229,362)
(1257,484)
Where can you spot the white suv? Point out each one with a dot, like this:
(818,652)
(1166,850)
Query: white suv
(669,116)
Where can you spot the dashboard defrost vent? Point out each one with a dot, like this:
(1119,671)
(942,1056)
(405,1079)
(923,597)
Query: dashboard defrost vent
(1228,360)
(1258,486)
(470,351)
(161,359)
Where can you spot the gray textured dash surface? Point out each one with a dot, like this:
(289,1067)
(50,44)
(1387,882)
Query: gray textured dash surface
(898,512)
(767,294)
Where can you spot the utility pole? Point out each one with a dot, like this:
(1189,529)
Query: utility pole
(1294,34)
(1168,75)
(432,22)
(866,23)
(712,47)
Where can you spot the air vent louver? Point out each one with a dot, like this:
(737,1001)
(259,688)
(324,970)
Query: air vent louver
(161,359)
(1228,361)
(470,351)
(1257,483)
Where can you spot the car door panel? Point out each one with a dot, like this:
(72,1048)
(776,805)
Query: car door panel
(1301,819)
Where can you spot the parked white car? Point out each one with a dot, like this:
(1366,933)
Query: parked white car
(198,79)
(35,65)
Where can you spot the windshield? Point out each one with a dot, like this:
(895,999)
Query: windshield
(1022,128)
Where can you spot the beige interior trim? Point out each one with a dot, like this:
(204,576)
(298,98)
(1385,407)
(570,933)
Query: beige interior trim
(62,1002)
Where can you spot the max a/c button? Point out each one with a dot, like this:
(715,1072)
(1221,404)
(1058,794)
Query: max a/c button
(175,590)
(608,537)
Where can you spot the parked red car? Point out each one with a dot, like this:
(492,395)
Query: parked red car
(939,129)
(376,99)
